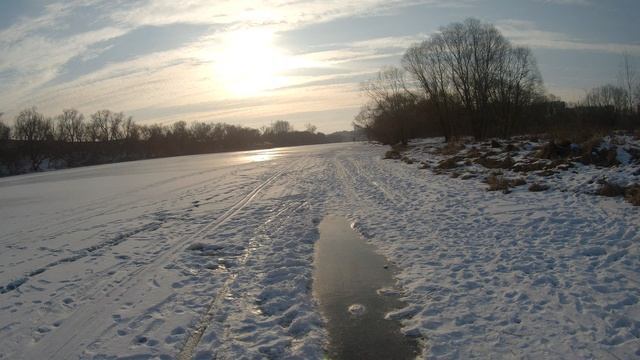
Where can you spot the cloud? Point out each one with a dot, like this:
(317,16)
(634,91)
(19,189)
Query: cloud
(568,2)
(527,33)
(35,65)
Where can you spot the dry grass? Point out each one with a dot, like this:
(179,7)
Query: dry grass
(517,182)
(498,182)
(591,154)
(449,163)
(610,189)
(491,163)
(632,194)
(529,166)
(407,160)
(392,154)
(536,187)
(451,148)
(554,150)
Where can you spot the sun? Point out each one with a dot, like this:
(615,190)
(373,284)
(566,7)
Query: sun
(249,63)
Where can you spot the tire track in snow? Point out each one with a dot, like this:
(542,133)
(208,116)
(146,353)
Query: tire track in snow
(90,210)
(79,254)
(75,329)
(91,250)
(190,345)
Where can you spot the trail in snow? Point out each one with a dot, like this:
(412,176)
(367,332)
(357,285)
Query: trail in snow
(211,257)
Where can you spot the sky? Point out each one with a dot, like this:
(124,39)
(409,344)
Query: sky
(255,62)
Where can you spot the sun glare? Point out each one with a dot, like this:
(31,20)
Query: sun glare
(250,64)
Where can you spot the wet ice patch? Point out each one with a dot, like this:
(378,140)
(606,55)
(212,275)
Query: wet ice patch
(350,275)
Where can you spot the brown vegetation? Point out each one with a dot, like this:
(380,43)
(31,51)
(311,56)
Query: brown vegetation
(449,163)
(500,183)
(610,189)
(632,194)
(392,154)
(536,187)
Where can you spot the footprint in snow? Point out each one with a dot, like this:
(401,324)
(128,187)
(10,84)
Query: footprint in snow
(356,309)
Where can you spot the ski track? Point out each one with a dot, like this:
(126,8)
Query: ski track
(217,263)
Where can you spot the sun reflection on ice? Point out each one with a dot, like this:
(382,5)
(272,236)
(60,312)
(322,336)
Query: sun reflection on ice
(261,155)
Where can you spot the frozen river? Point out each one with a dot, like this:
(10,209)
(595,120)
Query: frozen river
(131,259)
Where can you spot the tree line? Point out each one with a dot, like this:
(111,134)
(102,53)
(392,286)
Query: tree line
(469,80)
(70,139)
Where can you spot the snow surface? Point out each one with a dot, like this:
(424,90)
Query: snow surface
(126,260)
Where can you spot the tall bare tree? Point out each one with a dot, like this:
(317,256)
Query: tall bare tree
(607,95)
(471,65)
(388,92)
(5,131)
(34,130)
(70,126)
(100,128)
(130,130)
(628,80)
(426,63)
(518,85)
(116,126)
(310,128)
(280,127)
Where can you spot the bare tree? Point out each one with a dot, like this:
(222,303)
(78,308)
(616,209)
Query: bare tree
(310,128)
(70,126)
(365,116)
(34,130)
(426,63)
(116,123)
(607,95)
(5,131)
(201,132)
(518,84)
(280,127)
(627,78)
(130,130)
(471,66)
(388,93)
(99,127)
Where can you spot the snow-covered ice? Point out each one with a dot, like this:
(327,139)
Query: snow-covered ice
(130,259)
